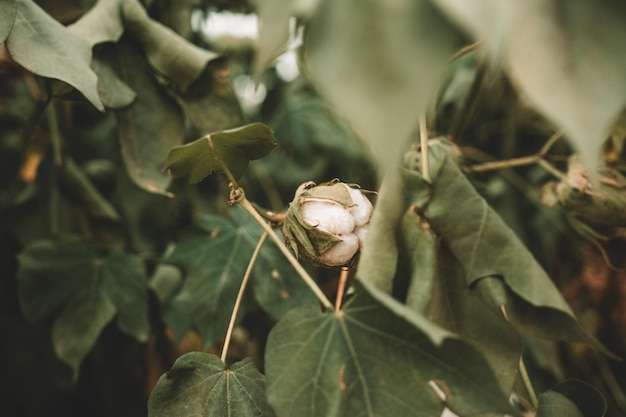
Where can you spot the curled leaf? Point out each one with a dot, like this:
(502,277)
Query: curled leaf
(230,150)
(47,48)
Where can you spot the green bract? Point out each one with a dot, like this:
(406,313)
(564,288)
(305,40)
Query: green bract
(326,224)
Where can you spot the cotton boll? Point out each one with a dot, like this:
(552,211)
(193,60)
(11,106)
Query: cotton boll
(328,216)
(342,252)
(362,209)
(361,232)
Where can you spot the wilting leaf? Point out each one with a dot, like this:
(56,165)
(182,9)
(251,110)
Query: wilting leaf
(569,60)
(114,93)
(45,47)
(214,254)
(366,360)
(438,290)
(200,385)
(379,64)
(102,23)
(150,126)
(8,11)
(67,275)
(479,239)
(232,149)
(571,398)
(171,55)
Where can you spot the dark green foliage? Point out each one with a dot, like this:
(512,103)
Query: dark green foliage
(199,384)
(83,290)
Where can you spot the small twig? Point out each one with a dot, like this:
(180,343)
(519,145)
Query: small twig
(508,163)
(551,169)
(242,289)
(341,288)
(239,197)
(548,145)
(424,148)
(464,51)
(275,218)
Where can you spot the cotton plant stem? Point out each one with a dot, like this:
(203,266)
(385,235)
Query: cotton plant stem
(508,163)
(242,289)
(341,288)
(527,383)
(424,148)
(464,51)
(241,199)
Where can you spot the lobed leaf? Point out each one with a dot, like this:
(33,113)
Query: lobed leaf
(68,279)
(214,254)
(228,149)
(45,47)
(200,385)
(366,360)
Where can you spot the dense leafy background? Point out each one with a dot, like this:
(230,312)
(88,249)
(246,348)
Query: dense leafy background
(112,270)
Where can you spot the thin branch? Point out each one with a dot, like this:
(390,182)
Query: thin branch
(508,163)
(548,145)
(464,51)
(341,288)
(242,289)
(239,197)
(424,148)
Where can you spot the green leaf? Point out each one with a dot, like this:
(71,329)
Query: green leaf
(481,241)
(114,93)
(67,275)
(438,290)
(379,65)
(77,328)
(571,398)
(200,385)
(215,253)
(102,23)
(569,60)
(232,149)
(170,54)
(367,360)
(8,11)
(150,126)
(45,47)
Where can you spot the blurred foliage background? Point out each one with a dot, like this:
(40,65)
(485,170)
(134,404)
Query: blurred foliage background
(66,168)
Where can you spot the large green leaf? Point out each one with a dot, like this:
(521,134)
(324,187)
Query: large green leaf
(45,47)
(170,54)
(571,398)
(67,276)
(379,63)
(367,361)
(199,385)
(214,254)
(438,290)
(114,93)
(102,23)
(480,240)
(150,126)
(232,149)
(569,60)
(8,11)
